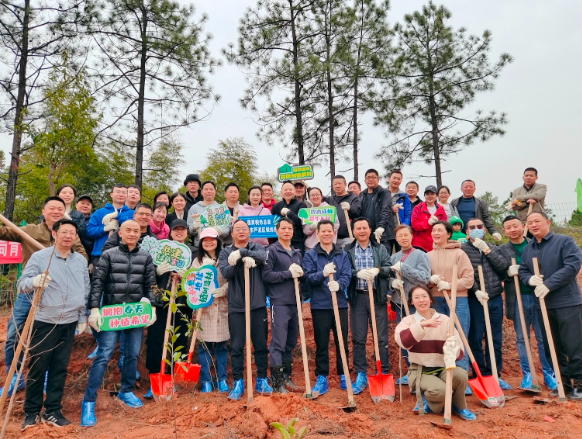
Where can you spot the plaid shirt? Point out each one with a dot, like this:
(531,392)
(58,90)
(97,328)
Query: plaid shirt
(364,260)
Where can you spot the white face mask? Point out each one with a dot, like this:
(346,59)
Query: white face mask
(477,233)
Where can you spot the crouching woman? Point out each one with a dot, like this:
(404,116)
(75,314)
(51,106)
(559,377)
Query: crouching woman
(424,335)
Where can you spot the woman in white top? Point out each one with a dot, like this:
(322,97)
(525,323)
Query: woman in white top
(444,195)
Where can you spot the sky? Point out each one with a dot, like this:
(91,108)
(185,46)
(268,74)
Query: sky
(540,91)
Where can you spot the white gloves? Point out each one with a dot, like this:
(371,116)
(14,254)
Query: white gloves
(397,266)
(368,274)
(220,292)
(296,270)
(81,328)
(153,320)
(196,225)
(513,270)
(345,205)
(108,218)
(399,205)
(66,216)
(482,297)
(435,279)
(328,269)
(284,211)
(313,226)
(41,281)
(397,284)
(451,350)
(536,281)
(481,245)
(95,319)
(433,219)
(164,267)
(234,257)
(249,262)
(208,261)
(443,285)
(111,225)
(333,286)
(541,291)
(497,236)
(378,233)
(308,203)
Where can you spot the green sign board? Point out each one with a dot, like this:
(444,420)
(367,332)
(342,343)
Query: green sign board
(312,215)
(126,316)
(215,215)
(199,284)
(299,172)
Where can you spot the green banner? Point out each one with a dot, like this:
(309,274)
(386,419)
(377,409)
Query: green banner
(299,172)
(312,215)
(126,316)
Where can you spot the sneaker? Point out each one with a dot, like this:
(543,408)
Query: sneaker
(238,389)
(321,386)
(223,386)
(468,390)
(403,380)
(55,418)
(263,386)
(343,383)
(466,414)
(550,380)
(88,418)
(93,354)
(206,387)
(527,382)
(30,420)
(130,399)
(149,394)
(504,385)
(361,383)
(21,385)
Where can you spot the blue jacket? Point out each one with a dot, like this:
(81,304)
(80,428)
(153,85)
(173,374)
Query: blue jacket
(559,259)
(95,226)
(313,263)
(277,277)
(406,213)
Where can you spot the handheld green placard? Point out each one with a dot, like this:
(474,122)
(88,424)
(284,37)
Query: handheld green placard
(126,316)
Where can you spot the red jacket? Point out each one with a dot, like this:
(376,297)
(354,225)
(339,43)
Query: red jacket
(422,230)
(270,205)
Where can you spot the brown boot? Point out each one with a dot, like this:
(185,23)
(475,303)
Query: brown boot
(289,384)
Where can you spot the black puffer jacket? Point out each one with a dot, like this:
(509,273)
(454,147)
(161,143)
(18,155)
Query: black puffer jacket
(354,212)
(383,215)
(298,240)
(123,277)
(494,268)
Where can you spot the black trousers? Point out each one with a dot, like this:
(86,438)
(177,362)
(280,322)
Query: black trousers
(361,320)
(284,334)
(566,324)
(51,347)
(323,322)
(259,332)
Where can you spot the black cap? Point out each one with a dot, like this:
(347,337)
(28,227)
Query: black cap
(431,188)
(178,223)
(192,177)
(85,196)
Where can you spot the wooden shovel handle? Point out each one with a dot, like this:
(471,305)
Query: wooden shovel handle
(248,334)
(403,295)
(21,232)
(525,230)
(348,224)
(488,327)
(302,337)
(449,379)
(373,317)
(168,323)
(194,335)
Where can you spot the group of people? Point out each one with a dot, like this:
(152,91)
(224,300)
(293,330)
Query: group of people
(403,249)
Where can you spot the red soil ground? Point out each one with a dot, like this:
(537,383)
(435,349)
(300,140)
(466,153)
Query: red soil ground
(214,416)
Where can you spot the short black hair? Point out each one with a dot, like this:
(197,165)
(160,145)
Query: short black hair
(314,188)
(206,182)
(176,195)
(394,171)
(371,171)
(339,177)
(144,205)
(510,218)
(134,186)
(526,169)
(284,220)
(362,218)
(266,183)
(239,221)
(47,199)
(446,225)
(323,222)
(119,185)
(231,184)
(444,187)
(287,181)
(465,181)
(414,183)
(159,204)
(159,194)
(62,186)
(540,213)
(355,182)
(57,225)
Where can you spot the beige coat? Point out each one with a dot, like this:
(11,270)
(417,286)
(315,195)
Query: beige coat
(441,263)
(537,192)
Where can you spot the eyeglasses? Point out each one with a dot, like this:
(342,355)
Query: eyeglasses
(372,177)
(478,226)
(142,214)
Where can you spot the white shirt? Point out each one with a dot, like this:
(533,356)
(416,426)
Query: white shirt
(420,318)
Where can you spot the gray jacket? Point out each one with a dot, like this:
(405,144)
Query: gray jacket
(64,300)
(481,212)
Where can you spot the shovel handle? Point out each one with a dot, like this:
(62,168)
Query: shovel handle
(488,327)
(550,338)
(374,328)
(21,232)
(449,380)
(525,229)
(403,295)
(194,335)
(348,224)
(248,334)
(168,323)
(302,335)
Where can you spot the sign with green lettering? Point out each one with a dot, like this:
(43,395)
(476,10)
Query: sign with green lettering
(199,283)
(299,172)
(126,316)
(312,215)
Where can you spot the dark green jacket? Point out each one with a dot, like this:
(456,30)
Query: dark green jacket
(381,261)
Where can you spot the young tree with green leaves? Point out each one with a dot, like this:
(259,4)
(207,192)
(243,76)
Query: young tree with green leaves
(436,75)
(152,55)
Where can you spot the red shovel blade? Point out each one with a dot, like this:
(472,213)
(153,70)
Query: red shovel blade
(488,391)
(187,372)
(381,386)
(161,386)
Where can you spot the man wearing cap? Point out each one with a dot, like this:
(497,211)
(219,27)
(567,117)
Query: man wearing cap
(344,200)
(424,215)
(193,195)
(301,191)
(469,206)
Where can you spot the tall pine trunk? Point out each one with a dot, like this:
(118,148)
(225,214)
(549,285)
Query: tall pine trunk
(18,117)
(330,102)
(141,103)
(297,97)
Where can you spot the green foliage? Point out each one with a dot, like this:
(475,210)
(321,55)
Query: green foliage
(576,220)
(288,431)
(232,160)
(162,169)
(498,211)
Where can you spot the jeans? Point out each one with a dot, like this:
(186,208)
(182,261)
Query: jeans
(478,332)
(531,320)
(399,310)
(323,322)
(51,351)
(205,352)
(15,324)
(361,320)
(259,334)
(465,318)
(107,342)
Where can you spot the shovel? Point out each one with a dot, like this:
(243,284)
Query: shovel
(248,334)
(548,329)
(161,382)
(485,388)
(448,419)
(525,331)
(351,407)
(488,326)
(381,384)
(309,394)
(186,371)
(348,224)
